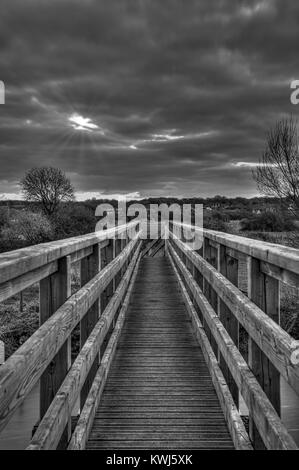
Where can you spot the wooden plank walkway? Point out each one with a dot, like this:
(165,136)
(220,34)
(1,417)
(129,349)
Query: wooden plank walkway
(159,394)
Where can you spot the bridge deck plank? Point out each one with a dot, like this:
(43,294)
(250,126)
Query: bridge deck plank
(159,394)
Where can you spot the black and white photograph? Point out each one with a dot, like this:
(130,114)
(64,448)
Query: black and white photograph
(149,228)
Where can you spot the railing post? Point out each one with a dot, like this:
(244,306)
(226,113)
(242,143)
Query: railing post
(21,302)
(125,242)
(228,266)
(209,293)
(198,278)
(2,352)
(90,266)
(108,255)
(54,291)
(190,268)
(198,275)
(118,247)
(264,291)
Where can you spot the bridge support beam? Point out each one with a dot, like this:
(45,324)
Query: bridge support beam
(90,266)
(108,254)
(228,266)
(210,255)
(264,291)
(198,278)
(54,291)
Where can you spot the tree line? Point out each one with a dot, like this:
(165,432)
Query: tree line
(52,213)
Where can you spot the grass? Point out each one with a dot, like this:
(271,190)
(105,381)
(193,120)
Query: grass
(289,307)
(289,300)
(289,296)
(16,326)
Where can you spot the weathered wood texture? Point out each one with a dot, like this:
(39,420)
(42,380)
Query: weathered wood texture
(275,343)
(49,430)
(264,291)
(90,267)
(228,266)
(162,390)
(265,417)
(282,257)
(154,247)
(82,430)
(24,368)
(234,421)
(159,393)
(54,291)
(19,262)
(281,262)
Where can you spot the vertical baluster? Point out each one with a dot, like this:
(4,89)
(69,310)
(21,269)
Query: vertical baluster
(21,302)
(199,275)
(205,284)
(54,291)
(108,256)
(264,291)
(229,268)
(189,266)
(118,247)
(90,266)
(209,292)
(199,279)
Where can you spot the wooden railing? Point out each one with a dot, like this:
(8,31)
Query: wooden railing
(209,283)
(108,268)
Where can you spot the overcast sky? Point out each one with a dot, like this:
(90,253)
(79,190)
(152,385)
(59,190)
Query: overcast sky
(145,97)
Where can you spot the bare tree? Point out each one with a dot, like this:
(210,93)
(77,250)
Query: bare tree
(278,172)
(47,185)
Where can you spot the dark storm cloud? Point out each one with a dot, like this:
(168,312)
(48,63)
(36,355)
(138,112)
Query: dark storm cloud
(174,94)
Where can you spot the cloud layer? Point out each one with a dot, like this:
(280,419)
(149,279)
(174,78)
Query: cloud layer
(156,97)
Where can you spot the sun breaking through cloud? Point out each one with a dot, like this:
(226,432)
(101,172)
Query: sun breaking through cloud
(145,98)
(81,123)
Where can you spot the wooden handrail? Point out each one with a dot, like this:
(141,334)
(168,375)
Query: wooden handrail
(231,413)
(19,262)
(268,422)
(275,342)
(208,279)
(51,427)
(281,256)
(211,278)
(27,365)
(82,430)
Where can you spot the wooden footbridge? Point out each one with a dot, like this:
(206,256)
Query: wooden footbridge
(159,365)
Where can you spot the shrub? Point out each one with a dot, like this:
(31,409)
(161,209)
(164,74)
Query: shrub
(27,228)
(237,214)
(268,221)
(289,311)
(73,219)
(215,220)
(3,217)
(15,326)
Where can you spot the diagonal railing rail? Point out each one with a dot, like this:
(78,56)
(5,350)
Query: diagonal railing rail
(209,282)
(107,266)
(210,276)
